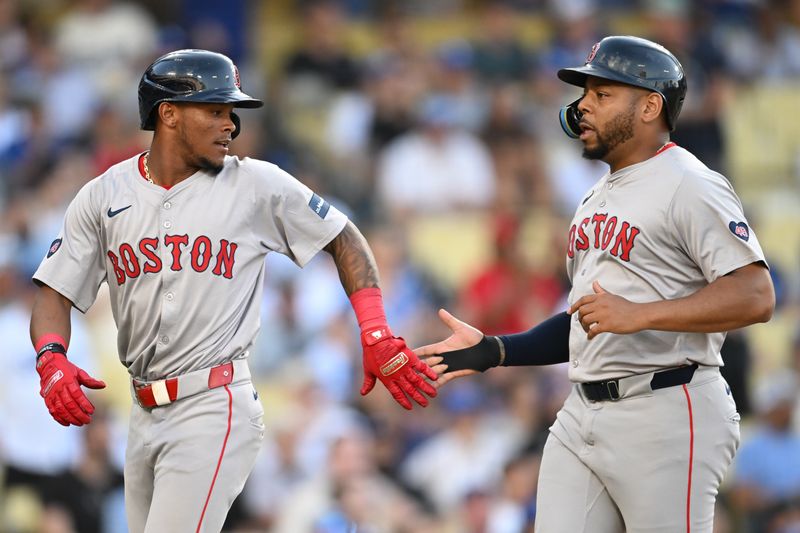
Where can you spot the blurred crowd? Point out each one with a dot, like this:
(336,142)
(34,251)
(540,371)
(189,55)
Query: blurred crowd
(433,125)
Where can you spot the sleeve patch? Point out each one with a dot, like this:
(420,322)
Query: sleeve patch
(740,229)
(54,247)
(319,205)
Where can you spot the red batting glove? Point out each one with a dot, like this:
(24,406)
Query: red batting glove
(61,389)
(389,359)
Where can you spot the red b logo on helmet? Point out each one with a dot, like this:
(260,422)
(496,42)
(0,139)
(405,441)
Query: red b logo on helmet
(236,79)
(592,52)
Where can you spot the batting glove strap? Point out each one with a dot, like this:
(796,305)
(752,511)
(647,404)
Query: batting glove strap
(373,336)
(488,353)
(53,347)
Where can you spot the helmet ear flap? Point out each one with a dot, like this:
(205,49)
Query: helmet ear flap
(236,122)
(570,118)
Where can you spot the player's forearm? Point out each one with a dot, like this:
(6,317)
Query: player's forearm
(743,297)
(353,259)
(50,314)
(545,344)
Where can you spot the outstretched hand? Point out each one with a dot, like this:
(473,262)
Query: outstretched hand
(389,359)
(463,336)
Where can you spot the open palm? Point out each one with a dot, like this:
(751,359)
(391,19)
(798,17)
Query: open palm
(463,336)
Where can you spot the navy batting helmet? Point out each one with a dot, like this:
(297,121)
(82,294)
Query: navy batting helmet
(633,61)
(191,76)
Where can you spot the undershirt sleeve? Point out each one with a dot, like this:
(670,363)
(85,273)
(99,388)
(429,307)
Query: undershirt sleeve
(545,344)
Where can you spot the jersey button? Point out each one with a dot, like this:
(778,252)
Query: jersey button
(167,224)
(610,186)
(167,205)
(169,296)
(574,363)
(603,203)
(164,340)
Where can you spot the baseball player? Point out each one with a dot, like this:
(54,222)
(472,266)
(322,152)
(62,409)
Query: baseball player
(180,234)
(662,262)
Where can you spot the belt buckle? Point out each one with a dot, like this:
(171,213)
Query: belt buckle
(613,390)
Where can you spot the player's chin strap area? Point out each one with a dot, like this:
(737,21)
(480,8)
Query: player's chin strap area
(570,119)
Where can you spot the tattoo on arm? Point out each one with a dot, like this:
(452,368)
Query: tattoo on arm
(354,260)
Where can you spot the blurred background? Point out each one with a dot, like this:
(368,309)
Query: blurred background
(433,125)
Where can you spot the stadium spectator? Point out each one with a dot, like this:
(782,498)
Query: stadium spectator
(509,293)
(466,457)
(91,491)
(347,79)
(436,167)
(766,483)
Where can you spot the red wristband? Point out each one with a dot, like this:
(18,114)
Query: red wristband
(49,338)
(368,305)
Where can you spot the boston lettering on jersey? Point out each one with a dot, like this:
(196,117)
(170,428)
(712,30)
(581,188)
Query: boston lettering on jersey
(602,232)
(130,261)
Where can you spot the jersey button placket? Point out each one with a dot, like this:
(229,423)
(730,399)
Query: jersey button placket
(169,279)
(609,186)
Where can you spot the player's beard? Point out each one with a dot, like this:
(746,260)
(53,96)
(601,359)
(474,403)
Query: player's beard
(199,162)
(618,131)
(210,167)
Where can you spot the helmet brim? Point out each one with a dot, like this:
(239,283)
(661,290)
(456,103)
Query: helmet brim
(225,96)
(574,76)
(577,76)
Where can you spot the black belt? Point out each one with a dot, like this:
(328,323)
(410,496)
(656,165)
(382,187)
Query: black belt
(597,391)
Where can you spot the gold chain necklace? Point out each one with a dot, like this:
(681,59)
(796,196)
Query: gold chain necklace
(147,168)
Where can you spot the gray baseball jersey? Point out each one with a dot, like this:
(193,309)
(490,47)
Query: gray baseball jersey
(184,266)
(658,230)
(652,459)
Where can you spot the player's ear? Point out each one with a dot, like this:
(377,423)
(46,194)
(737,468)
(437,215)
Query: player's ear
(652,104)
(168,113)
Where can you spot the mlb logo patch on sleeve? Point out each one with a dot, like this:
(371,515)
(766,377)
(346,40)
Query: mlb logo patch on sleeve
(54,247)
(319,205)
(740,230)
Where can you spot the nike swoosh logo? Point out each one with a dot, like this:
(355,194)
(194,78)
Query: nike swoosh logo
(587,198)
(112,213)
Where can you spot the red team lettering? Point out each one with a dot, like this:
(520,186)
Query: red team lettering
(128,264)
(603,233)
(129,260)
(225,258)
(148,247)
(200,260)
(624,241)
(598,219)
(608,232)
(176,241)
(583,240)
